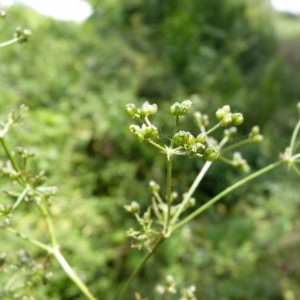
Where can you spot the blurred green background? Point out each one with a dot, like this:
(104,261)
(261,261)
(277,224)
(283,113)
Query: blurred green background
(76,79)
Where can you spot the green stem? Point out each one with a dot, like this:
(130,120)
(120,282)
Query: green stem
(138,269)
(20,198)
(225,192)
(156,145)
(294,137)
(213,129)
(296,169)
(46,215)
(174,132)
(191,191)
(7,43)
(8,154)
(28,239)
(236,145)
(72,275)
(169,191)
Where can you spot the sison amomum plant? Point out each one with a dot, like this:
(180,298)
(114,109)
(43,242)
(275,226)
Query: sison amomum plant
(163,216)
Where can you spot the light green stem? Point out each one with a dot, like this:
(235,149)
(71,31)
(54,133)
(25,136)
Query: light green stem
(8,154)
(191,191)
(20,198)
(28,239)
(169,191)
(213,129)
(236,145)
(226,192)
(46,215)
(294,137)
(72,275)
(7,43)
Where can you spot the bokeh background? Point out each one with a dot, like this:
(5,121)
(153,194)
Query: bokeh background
(76,79)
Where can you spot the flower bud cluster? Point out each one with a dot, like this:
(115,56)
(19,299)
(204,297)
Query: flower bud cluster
(196,146)
(154,187)
(180,109)
(202,120)
(189,293)
(255,137)
(168,288)
(230,132)
(133,208)
(239,162)
(22,34)
(146,110)
(145,132)
(226,117)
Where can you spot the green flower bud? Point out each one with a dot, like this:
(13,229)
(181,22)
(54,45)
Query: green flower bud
(180,109)
(233,130)
(131,109)
(198,148)
(237,119)
(220,114)
(154,187)
(227,120)
(226,109)
(255,130)
(186,104)
(182,138)
(202,120)
(149,132)
(135,129)
(201,138)
(190,140)
(133,208)
(256,139)
(2,14)
(149,109)
(211,154)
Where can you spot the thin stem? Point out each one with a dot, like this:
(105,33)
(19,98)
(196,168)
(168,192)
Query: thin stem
(223,142)
(236,145)
(46,215)
(191,191)
(20,198)
(72,275)
(138,269)
(8,154)
(28,239)
(225,192)
(169,191)
(213,129)
(296,169)
(7,43)
(226,160)
(294,137)
(174,132)
(156,145)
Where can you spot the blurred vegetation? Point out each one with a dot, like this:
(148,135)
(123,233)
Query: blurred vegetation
(76,80)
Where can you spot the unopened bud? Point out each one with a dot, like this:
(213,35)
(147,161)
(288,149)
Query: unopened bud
(201,138)
(211,154)
(237,119)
